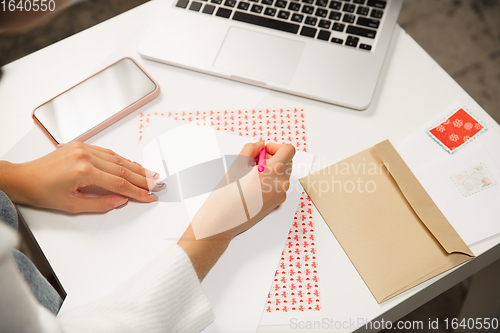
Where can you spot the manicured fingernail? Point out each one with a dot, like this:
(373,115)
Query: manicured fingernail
(159,186)
(153,196)
(156,175)
(121,203)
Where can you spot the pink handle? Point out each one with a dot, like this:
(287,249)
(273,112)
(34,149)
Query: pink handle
(262,159)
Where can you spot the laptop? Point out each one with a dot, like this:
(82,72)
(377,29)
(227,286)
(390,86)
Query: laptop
(327,50)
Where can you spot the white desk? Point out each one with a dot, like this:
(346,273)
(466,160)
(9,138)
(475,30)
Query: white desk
(411,90)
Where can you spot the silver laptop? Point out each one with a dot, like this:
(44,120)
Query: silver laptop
(327,50)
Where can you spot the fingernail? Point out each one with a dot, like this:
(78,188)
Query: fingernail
(153,196)
(159,186)
(156,175)
(121,203)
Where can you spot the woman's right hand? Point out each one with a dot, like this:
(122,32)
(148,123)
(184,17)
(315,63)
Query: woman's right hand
(274,180)
(217,222)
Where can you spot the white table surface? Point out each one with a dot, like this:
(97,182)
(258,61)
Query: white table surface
(412,89)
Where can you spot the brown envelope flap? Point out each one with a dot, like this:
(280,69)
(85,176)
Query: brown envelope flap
(420,201)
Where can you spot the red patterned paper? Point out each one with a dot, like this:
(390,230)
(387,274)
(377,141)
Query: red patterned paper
(296,285)
(456,130)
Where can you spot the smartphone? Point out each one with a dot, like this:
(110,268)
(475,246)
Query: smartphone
(97,102)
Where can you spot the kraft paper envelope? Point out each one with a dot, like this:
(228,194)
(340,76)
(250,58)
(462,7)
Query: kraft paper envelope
(385,221)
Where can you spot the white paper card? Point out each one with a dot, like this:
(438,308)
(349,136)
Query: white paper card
(188,145)
(475,216)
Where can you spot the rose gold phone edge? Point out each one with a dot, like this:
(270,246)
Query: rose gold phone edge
(111,120)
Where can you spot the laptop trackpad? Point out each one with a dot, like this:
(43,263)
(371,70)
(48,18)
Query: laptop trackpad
(259,56)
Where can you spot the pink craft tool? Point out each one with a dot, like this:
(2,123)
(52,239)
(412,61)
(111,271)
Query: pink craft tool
(262,159)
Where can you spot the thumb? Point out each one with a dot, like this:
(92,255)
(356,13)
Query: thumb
(252,149)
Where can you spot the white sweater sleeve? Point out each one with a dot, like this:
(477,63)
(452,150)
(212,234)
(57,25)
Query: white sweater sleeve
(165,296)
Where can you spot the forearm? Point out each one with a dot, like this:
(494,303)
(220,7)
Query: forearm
(205,252)
(12,181)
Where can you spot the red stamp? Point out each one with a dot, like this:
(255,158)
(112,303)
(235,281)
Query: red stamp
(456,130)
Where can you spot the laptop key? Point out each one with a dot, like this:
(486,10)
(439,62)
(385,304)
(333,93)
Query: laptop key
(335,5)
(294,6)
(223,12)
(352,41)
(311,20)
(324,35)
(337,40)
(218,2)
(267,2)
(308,1)
(266,22)
(362,10)
(182,3)
(308,31)
(365,47)
(283,14)
(376,3)
(334,15)
(361,32)
(257,9)
(376,13)
(349,8)
(366,22)
(307,9)
(321,3)
(281,4)
(348,18)
(243,5)
(297,17)
(361,2)
(208,9)
(338,27)
(230,3)
(195,6)
(324,24)
(321,12)
(270,11)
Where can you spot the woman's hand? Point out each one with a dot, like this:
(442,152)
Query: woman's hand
(274,182)
(56,180)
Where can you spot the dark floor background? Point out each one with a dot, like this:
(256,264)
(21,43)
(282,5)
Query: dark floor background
(463,36)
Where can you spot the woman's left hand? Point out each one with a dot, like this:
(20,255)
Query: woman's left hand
(56,180)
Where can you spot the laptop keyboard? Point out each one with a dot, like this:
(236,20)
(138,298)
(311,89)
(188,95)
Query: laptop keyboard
(337,21)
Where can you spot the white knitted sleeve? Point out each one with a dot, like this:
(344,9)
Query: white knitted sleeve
(165,296)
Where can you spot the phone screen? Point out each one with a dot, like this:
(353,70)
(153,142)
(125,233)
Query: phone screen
(93,101)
